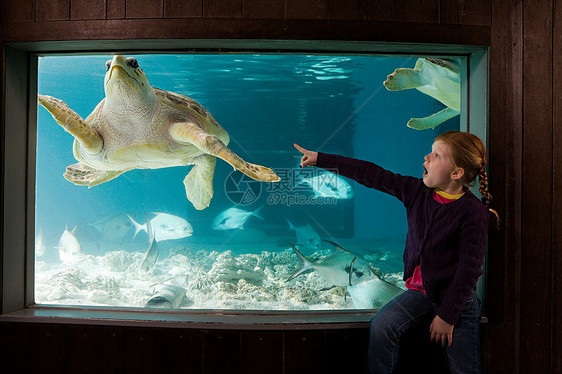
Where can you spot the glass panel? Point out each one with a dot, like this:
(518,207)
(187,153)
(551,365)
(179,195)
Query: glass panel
(93,246)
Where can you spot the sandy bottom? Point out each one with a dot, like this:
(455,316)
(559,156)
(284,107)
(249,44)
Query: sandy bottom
(212,279)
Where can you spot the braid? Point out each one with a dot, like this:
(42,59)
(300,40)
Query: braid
(486,196)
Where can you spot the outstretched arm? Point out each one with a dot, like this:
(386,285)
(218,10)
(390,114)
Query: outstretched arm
(364,172)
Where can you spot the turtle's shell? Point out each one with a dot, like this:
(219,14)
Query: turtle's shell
(138,136)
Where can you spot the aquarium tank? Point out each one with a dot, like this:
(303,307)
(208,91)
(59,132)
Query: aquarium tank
(198,200)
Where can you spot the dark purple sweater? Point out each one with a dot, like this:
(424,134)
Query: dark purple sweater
(447,240)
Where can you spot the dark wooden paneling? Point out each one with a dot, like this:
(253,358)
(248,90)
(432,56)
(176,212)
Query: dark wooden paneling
(500,351)
(144,8)
(52,10)
(18,11)
(221,351)
(15,352)
(557,199)
(306,9)
(115,9)
(113,344)
(503,167)
(346,351)
(248,29)
(183,8)
(385,10)
(346,9)
(536,241)
(182,351)
(142,351)
(51,357)
(426,11)
(261,352)
(305,352)
(87,9)
(264,9)
(84,349)
(448,12)
(222,8)
(475,12)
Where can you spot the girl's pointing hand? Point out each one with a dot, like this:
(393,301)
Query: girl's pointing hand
(309,157)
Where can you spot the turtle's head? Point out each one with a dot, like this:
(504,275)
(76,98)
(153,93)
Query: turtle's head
(124,79)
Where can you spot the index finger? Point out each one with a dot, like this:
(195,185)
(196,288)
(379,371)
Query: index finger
(301,149)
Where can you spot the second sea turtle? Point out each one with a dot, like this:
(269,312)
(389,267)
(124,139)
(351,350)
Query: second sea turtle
(436,77)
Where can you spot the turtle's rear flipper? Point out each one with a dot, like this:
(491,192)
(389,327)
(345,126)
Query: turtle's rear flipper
(199,182)
(433,120)
(189,133)
(83,175)
(69,120)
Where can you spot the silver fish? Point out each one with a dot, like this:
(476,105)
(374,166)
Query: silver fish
(373,293)
(307,236)
(40,247)
(329,185)
(166,296)
(233,218)
(113,228)
(336,267)
(151,255)
(166,226)
(69,247)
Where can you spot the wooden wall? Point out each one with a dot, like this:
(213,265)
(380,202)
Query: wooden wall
(477,12)
(524,334)
(59,349)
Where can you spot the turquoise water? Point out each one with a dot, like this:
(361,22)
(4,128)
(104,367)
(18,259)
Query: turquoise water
(334,104)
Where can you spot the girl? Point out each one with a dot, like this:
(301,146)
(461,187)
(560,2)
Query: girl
(445,248)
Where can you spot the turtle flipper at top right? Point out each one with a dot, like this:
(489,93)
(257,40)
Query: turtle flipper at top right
(438,78)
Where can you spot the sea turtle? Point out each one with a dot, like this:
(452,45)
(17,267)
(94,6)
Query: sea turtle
(138,126)
(438,78)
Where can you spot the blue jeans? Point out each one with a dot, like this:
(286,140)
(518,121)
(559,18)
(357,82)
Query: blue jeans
(411,308)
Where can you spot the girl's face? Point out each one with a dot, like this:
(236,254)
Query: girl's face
(439,171)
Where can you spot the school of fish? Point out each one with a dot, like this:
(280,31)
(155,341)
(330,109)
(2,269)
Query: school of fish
(340,268)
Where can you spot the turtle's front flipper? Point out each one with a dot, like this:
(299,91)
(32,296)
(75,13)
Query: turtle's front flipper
(403,79)
(83,175)
(69,120)
(432,121)
(199,182)
(210,144)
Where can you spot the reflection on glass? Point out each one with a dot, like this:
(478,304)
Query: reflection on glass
(145,238)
